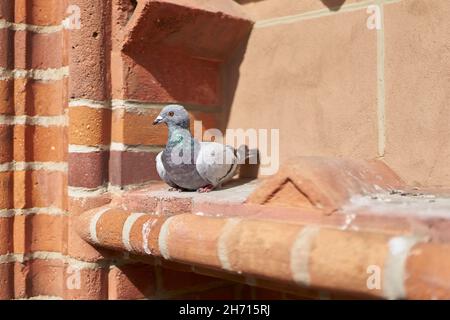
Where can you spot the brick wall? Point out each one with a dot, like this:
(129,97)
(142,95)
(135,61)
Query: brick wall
(66,139)
(33,125)
(76,108)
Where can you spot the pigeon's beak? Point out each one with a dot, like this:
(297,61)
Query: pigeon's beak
(158,120)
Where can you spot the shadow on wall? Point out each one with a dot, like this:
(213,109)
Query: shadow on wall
(333,5)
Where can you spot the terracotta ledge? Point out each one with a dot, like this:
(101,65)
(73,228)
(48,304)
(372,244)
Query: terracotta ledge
(301,248)
(307,256)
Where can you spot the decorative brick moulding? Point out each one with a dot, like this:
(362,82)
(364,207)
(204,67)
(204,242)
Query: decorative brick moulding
(241,235)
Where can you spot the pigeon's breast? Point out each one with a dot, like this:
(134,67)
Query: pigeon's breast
(181,168)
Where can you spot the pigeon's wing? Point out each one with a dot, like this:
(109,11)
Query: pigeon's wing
(162,171)
(216,163)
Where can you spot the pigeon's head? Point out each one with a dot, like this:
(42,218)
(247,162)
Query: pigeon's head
(173,114)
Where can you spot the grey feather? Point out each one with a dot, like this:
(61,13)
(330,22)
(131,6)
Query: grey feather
(162,171)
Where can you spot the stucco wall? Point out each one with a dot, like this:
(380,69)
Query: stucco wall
(335,87)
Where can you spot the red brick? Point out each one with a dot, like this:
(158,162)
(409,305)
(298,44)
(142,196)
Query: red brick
(428,273)
(6,96)
(6,227)
(110,226)
(7,45)
(88,170)
(45,232)
(152,77)
(199,245)
(6,281)
(33,97)
(40,144)
(20,238)
(139,202)
(87,71)
(82,250)
(20,279)
(94,284)
(135,128)
(132,167)
(7,10)
(257,238)
(171,206)
(227,26)
(40,12)
(45,278)
(6,190)
(28,189)
(7,143)
(80,205)
(339,260)
(40,189)
(31,50)
(134,281)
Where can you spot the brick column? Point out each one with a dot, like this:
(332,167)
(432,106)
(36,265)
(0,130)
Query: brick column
(33,144)
(89,139)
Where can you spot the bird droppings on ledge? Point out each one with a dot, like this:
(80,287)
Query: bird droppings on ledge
(401,203)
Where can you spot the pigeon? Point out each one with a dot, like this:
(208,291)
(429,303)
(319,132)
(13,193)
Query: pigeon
(187,164)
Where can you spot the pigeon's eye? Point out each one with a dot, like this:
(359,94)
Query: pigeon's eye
(171,114)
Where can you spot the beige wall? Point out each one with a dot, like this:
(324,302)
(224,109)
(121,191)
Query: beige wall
(335,87)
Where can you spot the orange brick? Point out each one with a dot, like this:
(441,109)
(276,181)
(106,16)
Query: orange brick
(201,245)
(45,278)
(33,97)
(40,144)
(5,235)
(110,226)
(89,126)
(7,10)
(45,232)
(82,250)
(19,234)
(6,143)
(28,189)
(79,205)
(136,128)
(20,279)
(428,273)
(6,281)
(32,50)
(6,96)
(257,238)
(336,255)
(134,281)
(7,45)
(6,190)
(39,12)
(93,284)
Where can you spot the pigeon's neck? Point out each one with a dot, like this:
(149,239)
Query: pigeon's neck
(177,134)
